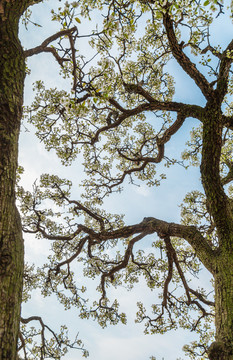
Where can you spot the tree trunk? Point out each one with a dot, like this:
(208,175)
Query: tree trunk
(221,211)
(12,72)
(222,348)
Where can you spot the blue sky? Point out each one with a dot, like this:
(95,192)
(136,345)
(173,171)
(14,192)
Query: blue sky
(118,342)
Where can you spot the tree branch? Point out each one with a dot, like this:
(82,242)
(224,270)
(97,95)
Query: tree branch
(153,105)
(162,228)
(139,160)
(44,46)
(225,65)
(228,121)
(170,260)
(183,60)
(148,226)
(229,177)
(122,264)
(71,258)
(61,340)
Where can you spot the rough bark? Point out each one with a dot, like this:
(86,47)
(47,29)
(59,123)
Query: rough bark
(12,71)
(220,209)
(219,206)
(222,348)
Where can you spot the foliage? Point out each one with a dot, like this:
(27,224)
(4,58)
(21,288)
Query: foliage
(119,117)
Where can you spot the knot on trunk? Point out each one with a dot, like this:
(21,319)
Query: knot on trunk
(219,351)
(5,261)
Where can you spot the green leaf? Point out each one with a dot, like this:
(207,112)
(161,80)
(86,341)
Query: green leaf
(78,20)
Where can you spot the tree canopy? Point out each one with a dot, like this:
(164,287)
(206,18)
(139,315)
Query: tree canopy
(119,116)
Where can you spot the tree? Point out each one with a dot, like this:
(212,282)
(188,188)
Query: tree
(120,115)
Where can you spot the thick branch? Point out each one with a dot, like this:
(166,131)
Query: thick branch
(147,226)
(163,228)
(184,61)
(224,70)
(219,206)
